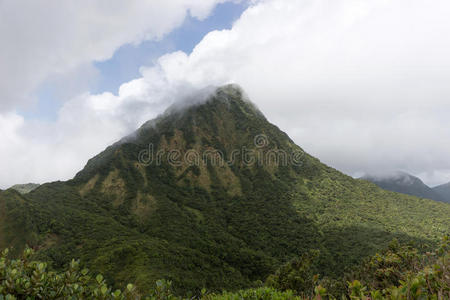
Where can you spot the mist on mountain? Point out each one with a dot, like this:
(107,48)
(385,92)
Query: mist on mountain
(402,182)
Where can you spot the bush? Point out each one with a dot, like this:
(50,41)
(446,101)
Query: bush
(26,279)
(296,275)
(398,273)
(401,272)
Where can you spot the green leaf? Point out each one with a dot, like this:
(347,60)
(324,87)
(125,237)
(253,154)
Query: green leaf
(104,289)
(99,278)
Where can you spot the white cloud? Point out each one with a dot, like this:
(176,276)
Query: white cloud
(41,39)
(38,151)
(363,85)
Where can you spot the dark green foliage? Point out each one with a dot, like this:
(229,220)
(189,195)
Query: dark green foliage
(399,264)
(397,273)
(401,272)
(297,275)
(27,279)
(16,223)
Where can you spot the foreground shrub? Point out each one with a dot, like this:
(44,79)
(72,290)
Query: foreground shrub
(296,275)
(399,273)
(26,279)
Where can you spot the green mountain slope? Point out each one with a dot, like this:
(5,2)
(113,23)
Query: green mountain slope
(16,224)
(186,215)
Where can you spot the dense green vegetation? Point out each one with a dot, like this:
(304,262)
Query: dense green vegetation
(16,224)
(207,225)
(399,272)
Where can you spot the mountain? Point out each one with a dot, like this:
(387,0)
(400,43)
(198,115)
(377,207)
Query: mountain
(444,191)
(25,188)
(211,195)
(405,183)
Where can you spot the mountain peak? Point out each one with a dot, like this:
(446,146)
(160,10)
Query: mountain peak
(230,94)
(210,99)
(221,119)
(399,177)
(402,182)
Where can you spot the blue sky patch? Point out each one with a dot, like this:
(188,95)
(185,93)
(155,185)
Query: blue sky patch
(124,65)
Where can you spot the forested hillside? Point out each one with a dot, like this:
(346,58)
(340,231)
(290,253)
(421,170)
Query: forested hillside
(185,217)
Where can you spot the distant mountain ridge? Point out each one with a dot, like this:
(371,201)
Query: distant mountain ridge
(443,190)
(402,182)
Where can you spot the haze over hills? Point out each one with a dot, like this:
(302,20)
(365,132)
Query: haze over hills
(405,183)
(443,190)
(211,195)
(25,188)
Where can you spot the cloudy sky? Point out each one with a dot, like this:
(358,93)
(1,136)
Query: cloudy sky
(363,85)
